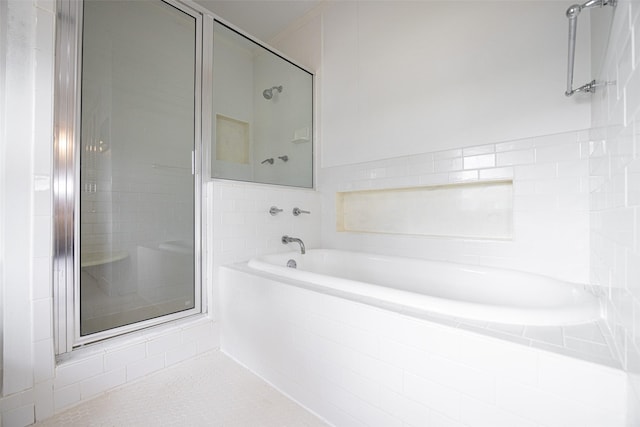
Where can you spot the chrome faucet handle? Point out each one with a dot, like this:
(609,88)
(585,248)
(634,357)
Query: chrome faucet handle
(274,210)
(298,211)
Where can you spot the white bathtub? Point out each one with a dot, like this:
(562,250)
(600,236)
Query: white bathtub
(356,362)
(458,290)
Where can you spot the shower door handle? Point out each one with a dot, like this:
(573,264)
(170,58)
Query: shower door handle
(193,162)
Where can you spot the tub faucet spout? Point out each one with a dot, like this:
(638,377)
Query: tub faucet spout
(287,239)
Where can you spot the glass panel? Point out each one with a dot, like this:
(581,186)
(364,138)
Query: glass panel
(263,114)
(137,186)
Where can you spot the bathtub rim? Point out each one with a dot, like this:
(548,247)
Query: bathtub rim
(439,320)
(483,312)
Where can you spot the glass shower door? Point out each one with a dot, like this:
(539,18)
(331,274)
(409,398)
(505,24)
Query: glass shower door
(137,190)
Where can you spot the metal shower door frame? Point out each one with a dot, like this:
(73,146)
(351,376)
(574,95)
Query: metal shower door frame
(66,178)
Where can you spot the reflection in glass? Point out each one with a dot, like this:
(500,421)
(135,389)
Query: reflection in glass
(263,114)
(136,182)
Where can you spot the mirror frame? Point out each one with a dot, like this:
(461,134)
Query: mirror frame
(312,131)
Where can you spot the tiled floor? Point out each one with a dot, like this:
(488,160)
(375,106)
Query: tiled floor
(211,390)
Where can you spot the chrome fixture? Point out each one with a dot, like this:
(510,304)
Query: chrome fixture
(292,263)
(274,210)
(269,160)
(572,15)
(298,211)
(268,93)
(284,158)
(286,239)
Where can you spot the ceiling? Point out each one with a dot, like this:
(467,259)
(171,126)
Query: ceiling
(263,19)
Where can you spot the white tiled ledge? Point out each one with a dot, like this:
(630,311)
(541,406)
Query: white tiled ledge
(96,368)
(550,157)
(359,365)
(591,342)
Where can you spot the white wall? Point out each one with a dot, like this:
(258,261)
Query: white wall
(25,239)
(411,92)
(614,169)
(241,226)
(550,204)
(401,78)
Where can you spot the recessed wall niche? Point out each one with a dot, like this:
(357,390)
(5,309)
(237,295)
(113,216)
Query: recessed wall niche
(482,210)
(232,138)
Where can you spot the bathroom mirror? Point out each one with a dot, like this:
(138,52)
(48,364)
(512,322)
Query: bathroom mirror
(601,24)
(262,114)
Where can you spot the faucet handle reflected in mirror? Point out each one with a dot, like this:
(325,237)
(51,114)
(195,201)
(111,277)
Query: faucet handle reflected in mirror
(274,210)
(298,211)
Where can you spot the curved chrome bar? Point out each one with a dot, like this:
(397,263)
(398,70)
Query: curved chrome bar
(572,15)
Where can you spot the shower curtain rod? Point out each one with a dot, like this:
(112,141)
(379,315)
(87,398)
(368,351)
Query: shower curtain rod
(572,15)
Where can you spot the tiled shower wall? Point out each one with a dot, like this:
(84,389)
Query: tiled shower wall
(120,213)
(550,211)
(241,227)
(614,169)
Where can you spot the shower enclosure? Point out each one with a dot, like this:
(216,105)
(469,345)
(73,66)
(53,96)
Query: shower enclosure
(127,188)
(262,121)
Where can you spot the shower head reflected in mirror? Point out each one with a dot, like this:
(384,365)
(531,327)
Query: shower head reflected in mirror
(268,93)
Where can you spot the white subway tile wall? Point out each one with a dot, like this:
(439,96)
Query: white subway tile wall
(355,364)
(241,226)
(550,203)
(614,202)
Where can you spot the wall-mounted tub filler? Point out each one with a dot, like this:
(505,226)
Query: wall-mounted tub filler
(286,239)
(269,160)
(298,211)
(274,210)
(284,158)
